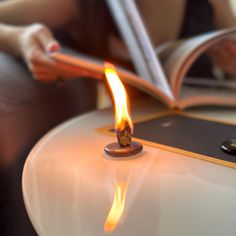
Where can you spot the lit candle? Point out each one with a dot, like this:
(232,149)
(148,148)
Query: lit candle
(123,124)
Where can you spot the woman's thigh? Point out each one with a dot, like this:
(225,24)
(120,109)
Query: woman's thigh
(29,109)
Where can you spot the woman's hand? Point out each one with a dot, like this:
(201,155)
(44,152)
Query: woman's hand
(34,44)
(223,54)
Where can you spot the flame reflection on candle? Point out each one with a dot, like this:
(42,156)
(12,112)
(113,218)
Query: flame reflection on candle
(120,97)
(117,207)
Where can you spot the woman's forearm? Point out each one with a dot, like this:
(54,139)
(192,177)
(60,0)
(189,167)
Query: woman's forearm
(223,13)
(53,13)
(8,39)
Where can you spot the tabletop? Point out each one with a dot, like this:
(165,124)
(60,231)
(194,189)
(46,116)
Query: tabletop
(71,187)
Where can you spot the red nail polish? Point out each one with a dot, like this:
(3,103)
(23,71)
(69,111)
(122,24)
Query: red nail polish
(53,47)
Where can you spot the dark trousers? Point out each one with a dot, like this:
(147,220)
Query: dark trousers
(29,109)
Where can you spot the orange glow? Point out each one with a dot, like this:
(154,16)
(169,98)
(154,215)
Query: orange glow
(117,207)
(120,97)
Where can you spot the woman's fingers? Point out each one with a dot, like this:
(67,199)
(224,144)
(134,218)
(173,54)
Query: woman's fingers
(45,77)
(43,72)
(224,55)
(36,42)
(46,39)
(219,52)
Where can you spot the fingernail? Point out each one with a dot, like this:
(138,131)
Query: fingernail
(53,47)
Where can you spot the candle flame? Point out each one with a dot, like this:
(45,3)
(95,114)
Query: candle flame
(117,207)
(120,97)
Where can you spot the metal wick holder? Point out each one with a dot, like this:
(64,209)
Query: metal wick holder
(124,147)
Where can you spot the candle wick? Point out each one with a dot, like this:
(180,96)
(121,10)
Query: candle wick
(124,136)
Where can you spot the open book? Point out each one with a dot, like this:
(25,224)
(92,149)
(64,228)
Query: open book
(163,81)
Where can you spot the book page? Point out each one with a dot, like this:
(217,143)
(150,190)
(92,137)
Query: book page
(184,56)
(134,33)
(200,95)
(77,65)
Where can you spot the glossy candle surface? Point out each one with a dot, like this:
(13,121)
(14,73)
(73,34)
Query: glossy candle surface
(69,186)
